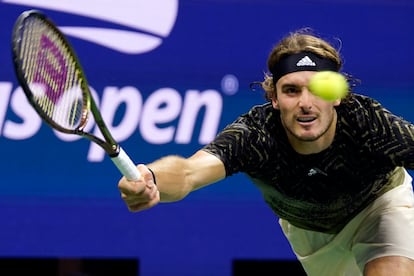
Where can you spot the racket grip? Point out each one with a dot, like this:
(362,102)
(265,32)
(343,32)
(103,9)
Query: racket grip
(126,166)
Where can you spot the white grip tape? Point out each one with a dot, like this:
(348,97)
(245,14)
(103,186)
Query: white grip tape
(126,166)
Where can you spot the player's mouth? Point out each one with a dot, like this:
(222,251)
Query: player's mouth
(306,119)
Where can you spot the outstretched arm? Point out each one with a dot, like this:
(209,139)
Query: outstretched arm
(175,178)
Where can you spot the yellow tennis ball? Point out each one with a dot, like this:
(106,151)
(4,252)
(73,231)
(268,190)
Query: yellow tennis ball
(329,85)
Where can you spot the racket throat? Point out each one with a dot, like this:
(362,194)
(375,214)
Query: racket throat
(110,147)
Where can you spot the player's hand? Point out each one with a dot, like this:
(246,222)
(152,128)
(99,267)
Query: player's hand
(142,194)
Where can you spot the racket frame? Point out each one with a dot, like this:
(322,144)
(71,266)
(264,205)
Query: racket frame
(109,144)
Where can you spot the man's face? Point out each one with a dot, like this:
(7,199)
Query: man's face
(307,118)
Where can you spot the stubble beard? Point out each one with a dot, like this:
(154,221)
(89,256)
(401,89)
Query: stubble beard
(309,138)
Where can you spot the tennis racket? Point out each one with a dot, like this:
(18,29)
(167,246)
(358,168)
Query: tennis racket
(54,82)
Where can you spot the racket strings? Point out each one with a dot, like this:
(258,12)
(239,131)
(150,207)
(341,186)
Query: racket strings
(52,75)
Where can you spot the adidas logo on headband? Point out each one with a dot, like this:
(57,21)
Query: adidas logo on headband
(305,61)
(308,61)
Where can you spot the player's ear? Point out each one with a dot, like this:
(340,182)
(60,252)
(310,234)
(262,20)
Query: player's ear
(337,102)
(275,102)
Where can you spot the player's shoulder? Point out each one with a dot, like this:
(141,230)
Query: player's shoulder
(260,118)
(360,112)
(358,103)
(259,113)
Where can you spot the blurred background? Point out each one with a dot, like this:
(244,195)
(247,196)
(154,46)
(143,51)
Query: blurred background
(168,75)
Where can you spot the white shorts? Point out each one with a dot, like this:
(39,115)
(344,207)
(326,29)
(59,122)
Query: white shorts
(384,228)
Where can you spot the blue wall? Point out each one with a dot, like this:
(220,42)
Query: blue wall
(58,197)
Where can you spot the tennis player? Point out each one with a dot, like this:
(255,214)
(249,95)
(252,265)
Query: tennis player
(334,173)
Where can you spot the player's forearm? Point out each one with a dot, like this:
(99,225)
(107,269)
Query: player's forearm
(172,178)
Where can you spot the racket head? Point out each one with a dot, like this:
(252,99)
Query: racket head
(50,73)
(52,78)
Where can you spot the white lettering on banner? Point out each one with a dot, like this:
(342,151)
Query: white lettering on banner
(5,88)
(30,121)
(160,110)
(162,107)
(193,102)
(166,116)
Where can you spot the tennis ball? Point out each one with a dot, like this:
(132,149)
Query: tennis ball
(328,85)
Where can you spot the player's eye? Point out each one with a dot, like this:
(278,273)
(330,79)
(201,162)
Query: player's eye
(290,89)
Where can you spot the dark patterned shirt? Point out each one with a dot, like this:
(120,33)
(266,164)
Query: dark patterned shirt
(321,191)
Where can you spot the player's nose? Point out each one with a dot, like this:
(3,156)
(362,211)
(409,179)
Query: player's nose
(306,98)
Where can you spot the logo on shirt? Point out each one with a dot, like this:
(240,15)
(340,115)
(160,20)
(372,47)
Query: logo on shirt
(315,171)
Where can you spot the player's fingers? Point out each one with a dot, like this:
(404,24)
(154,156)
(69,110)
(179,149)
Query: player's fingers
(137,190)
(141,194)
(147,193)
(131,187)
(136,207)
(149,196)
(137,187)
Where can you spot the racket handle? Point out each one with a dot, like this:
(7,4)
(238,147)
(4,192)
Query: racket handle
(126,166)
